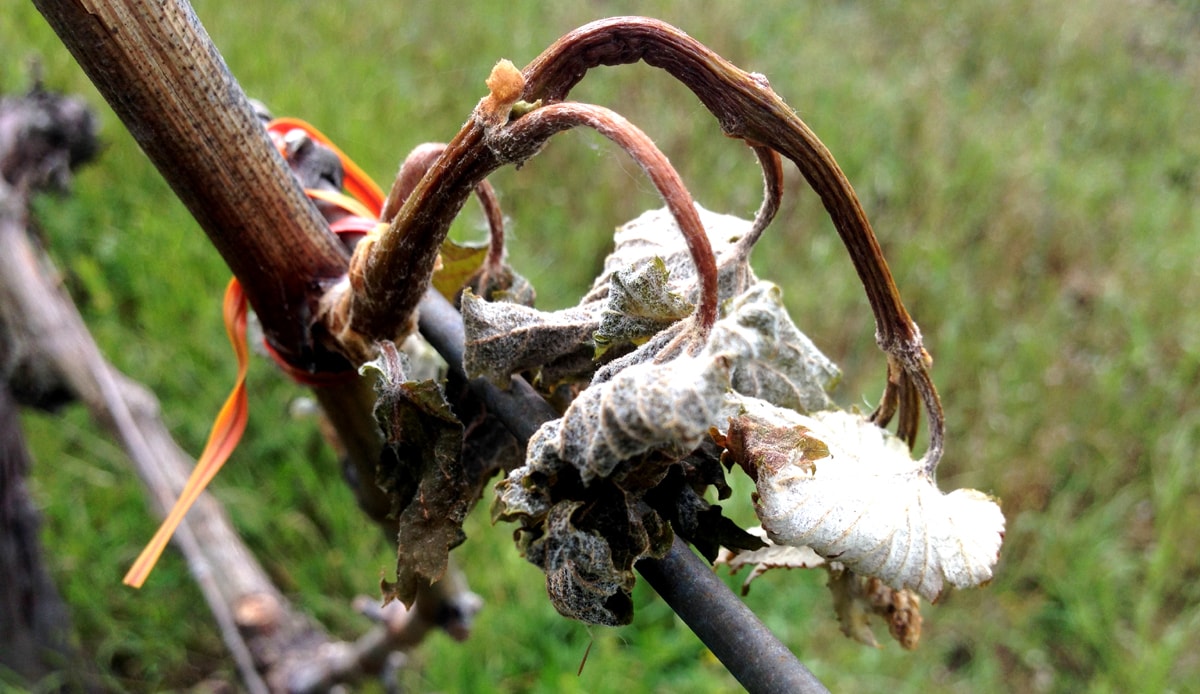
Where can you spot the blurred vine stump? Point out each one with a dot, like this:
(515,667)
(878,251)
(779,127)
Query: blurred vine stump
(43,137)
(48,359)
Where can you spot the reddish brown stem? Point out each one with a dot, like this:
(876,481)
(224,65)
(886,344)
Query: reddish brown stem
(541,123)
(772,168)
(388,278)
(415,166)
(746,107)
(412,170)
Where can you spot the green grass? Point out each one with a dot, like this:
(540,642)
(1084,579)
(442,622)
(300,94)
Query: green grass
(1031,169)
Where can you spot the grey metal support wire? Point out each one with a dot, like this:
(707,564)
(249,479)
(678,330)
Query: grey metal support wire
(735,635)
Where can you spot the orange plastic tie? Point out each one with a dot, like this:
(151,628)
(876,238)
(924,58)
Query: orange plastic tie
(222,440)
(364,205)
(356,181)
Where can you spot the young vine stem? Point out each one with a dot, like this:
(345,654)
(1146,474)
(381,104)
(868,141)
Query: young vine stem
(746,107)
(541,123)
(415,166)
(772,170)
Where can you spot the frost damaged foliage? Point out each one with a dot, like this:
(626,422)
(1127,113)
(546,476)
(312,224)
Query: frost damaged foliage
(579,495)
(622,436)
(776,362)
(656,394)
(648,283)
(505,338)
(422,473)
(830,484)
(640,304)
(838,484)
(856,599)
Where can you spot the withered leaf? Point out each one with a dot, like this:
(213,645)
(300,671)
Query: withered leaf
(777,363)
(525,494)
(769,556)
(502,284)
(655,235)
(640,303)
(505,338)
(857,598)
(867,503)
(588,549)
(645,407)
(854,616)
(465,266)
(758,445)
(586,538)
(459,262)
(582,579)
(422,472)
(648,284)
(679,499)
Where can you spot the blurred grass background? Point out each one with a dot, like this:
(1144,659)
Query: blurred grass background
(1032,171)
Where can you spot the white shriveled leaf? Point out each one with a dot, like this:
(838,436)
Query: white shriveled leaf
(851,491)
(774,360)
(762,560)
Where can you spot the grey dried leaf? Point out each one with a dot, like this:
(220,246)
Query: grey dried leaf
(505,338)
(421,470)
(646,407)
(653,350)
(857,598)
(587,548)
(856,494)
(581,577)
(774,361)
(654,234)
(648,284)
(772,556)
(640,303)
(524,495)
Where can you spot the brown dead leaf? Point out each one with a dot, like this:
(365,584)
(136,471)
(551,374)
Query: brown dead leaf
(421,470)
